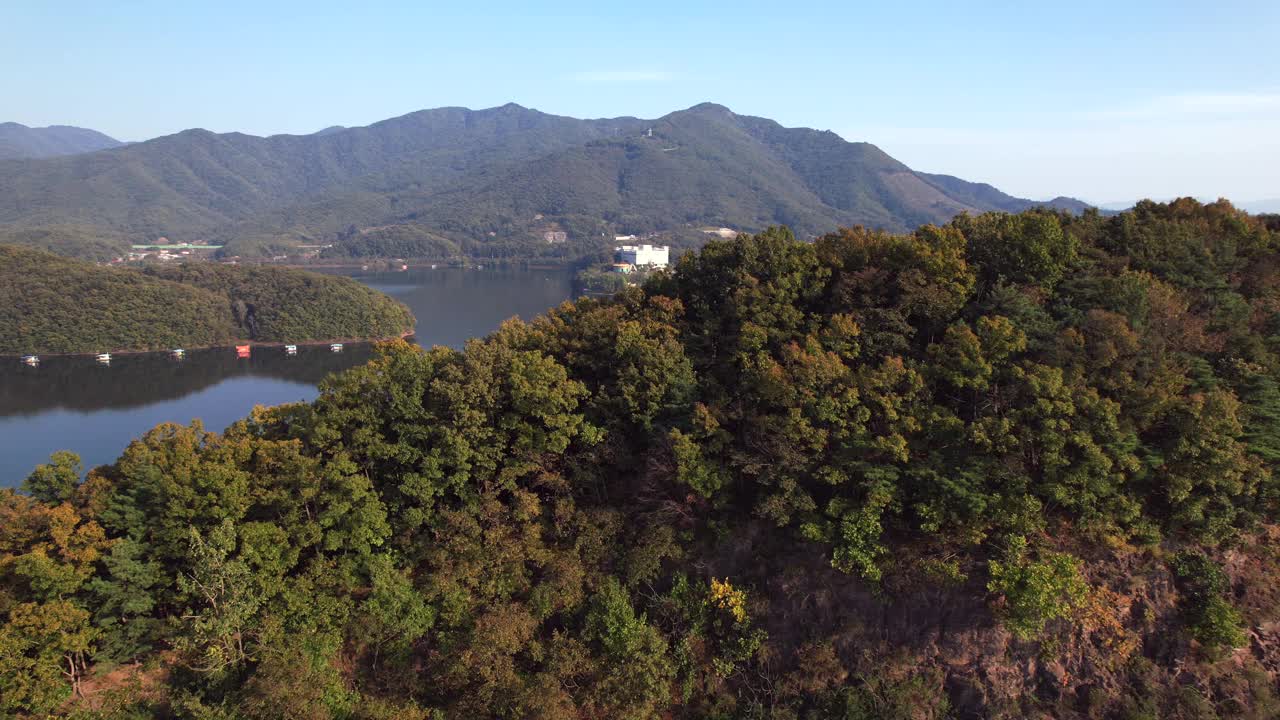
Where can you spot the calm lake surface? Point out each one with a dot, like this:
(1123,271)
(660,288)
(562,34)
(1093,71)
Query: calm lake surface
(95,410)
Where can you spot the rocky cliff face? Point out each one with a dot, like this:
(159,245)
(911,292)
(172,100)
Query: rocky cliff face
(1126,652)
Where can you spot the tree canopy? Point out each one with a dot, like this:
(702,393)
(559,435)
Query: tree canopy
(1013,466)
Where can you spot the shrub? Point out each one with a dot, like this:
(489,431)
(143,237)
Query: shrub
(1208,615)
(1035,592)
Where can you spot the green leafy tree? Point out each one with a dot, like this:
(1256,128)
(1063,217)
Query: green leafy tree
(43,653)
(1210,482)
(395,614)
(1027,248)
(637,670)
(124,602)
(56,481)
(222,601)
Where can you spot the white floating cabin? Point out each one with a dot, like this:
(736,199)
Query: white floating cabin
(32,360)
(178,353)
(335,347)
(290,349)
(104,358)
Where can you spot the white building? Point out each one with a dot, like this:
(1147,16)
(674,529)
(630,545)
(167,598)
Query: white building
(641,255)
(724,232)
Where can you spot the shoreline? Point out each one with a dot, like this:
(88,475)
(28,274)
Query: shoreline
(252,344)
(470,264)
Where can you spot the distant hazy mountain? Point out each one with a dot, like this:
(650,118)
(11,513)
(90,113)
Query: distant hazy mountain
(1263,206)
(20,141)
(484,182)
(982,195)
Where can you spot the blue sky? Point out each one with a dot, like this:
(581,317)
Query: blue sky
(1101,100)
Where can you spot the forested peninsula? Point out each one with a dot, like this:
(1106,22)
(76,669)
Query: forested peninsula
(53,304)
(1013,466)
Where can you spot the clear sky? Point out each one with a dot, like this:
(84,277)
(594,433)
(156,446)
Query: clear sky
(1106,101)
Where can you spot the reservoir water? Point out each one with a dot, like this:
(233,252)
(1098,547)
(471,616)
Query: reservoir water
(95,410)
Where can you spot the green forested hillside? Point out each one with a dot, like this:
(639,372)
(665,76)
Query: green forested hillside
(1016,466)
(485,183)
(200,185)
(52,304)
(697,167)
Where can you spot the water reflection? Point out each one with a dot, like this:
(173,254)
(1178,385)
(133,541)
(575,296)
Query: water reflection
(453,305)
(139,380)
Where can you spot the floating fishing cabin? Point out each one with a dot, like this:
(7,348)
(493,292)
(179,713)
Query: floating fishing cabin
(290,349)
(242,351)
(178,353)
(104,358)
(32,360)
(335,347)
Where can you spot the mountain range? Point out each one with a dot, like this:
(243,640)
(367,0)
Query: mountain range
(502,181)
(19,141)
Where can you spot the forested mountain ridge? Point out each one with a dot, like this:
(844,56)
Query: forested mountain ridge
(196,183)
(484,183)
(53,304)
(1015,466)
(20,141)
(697,167)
